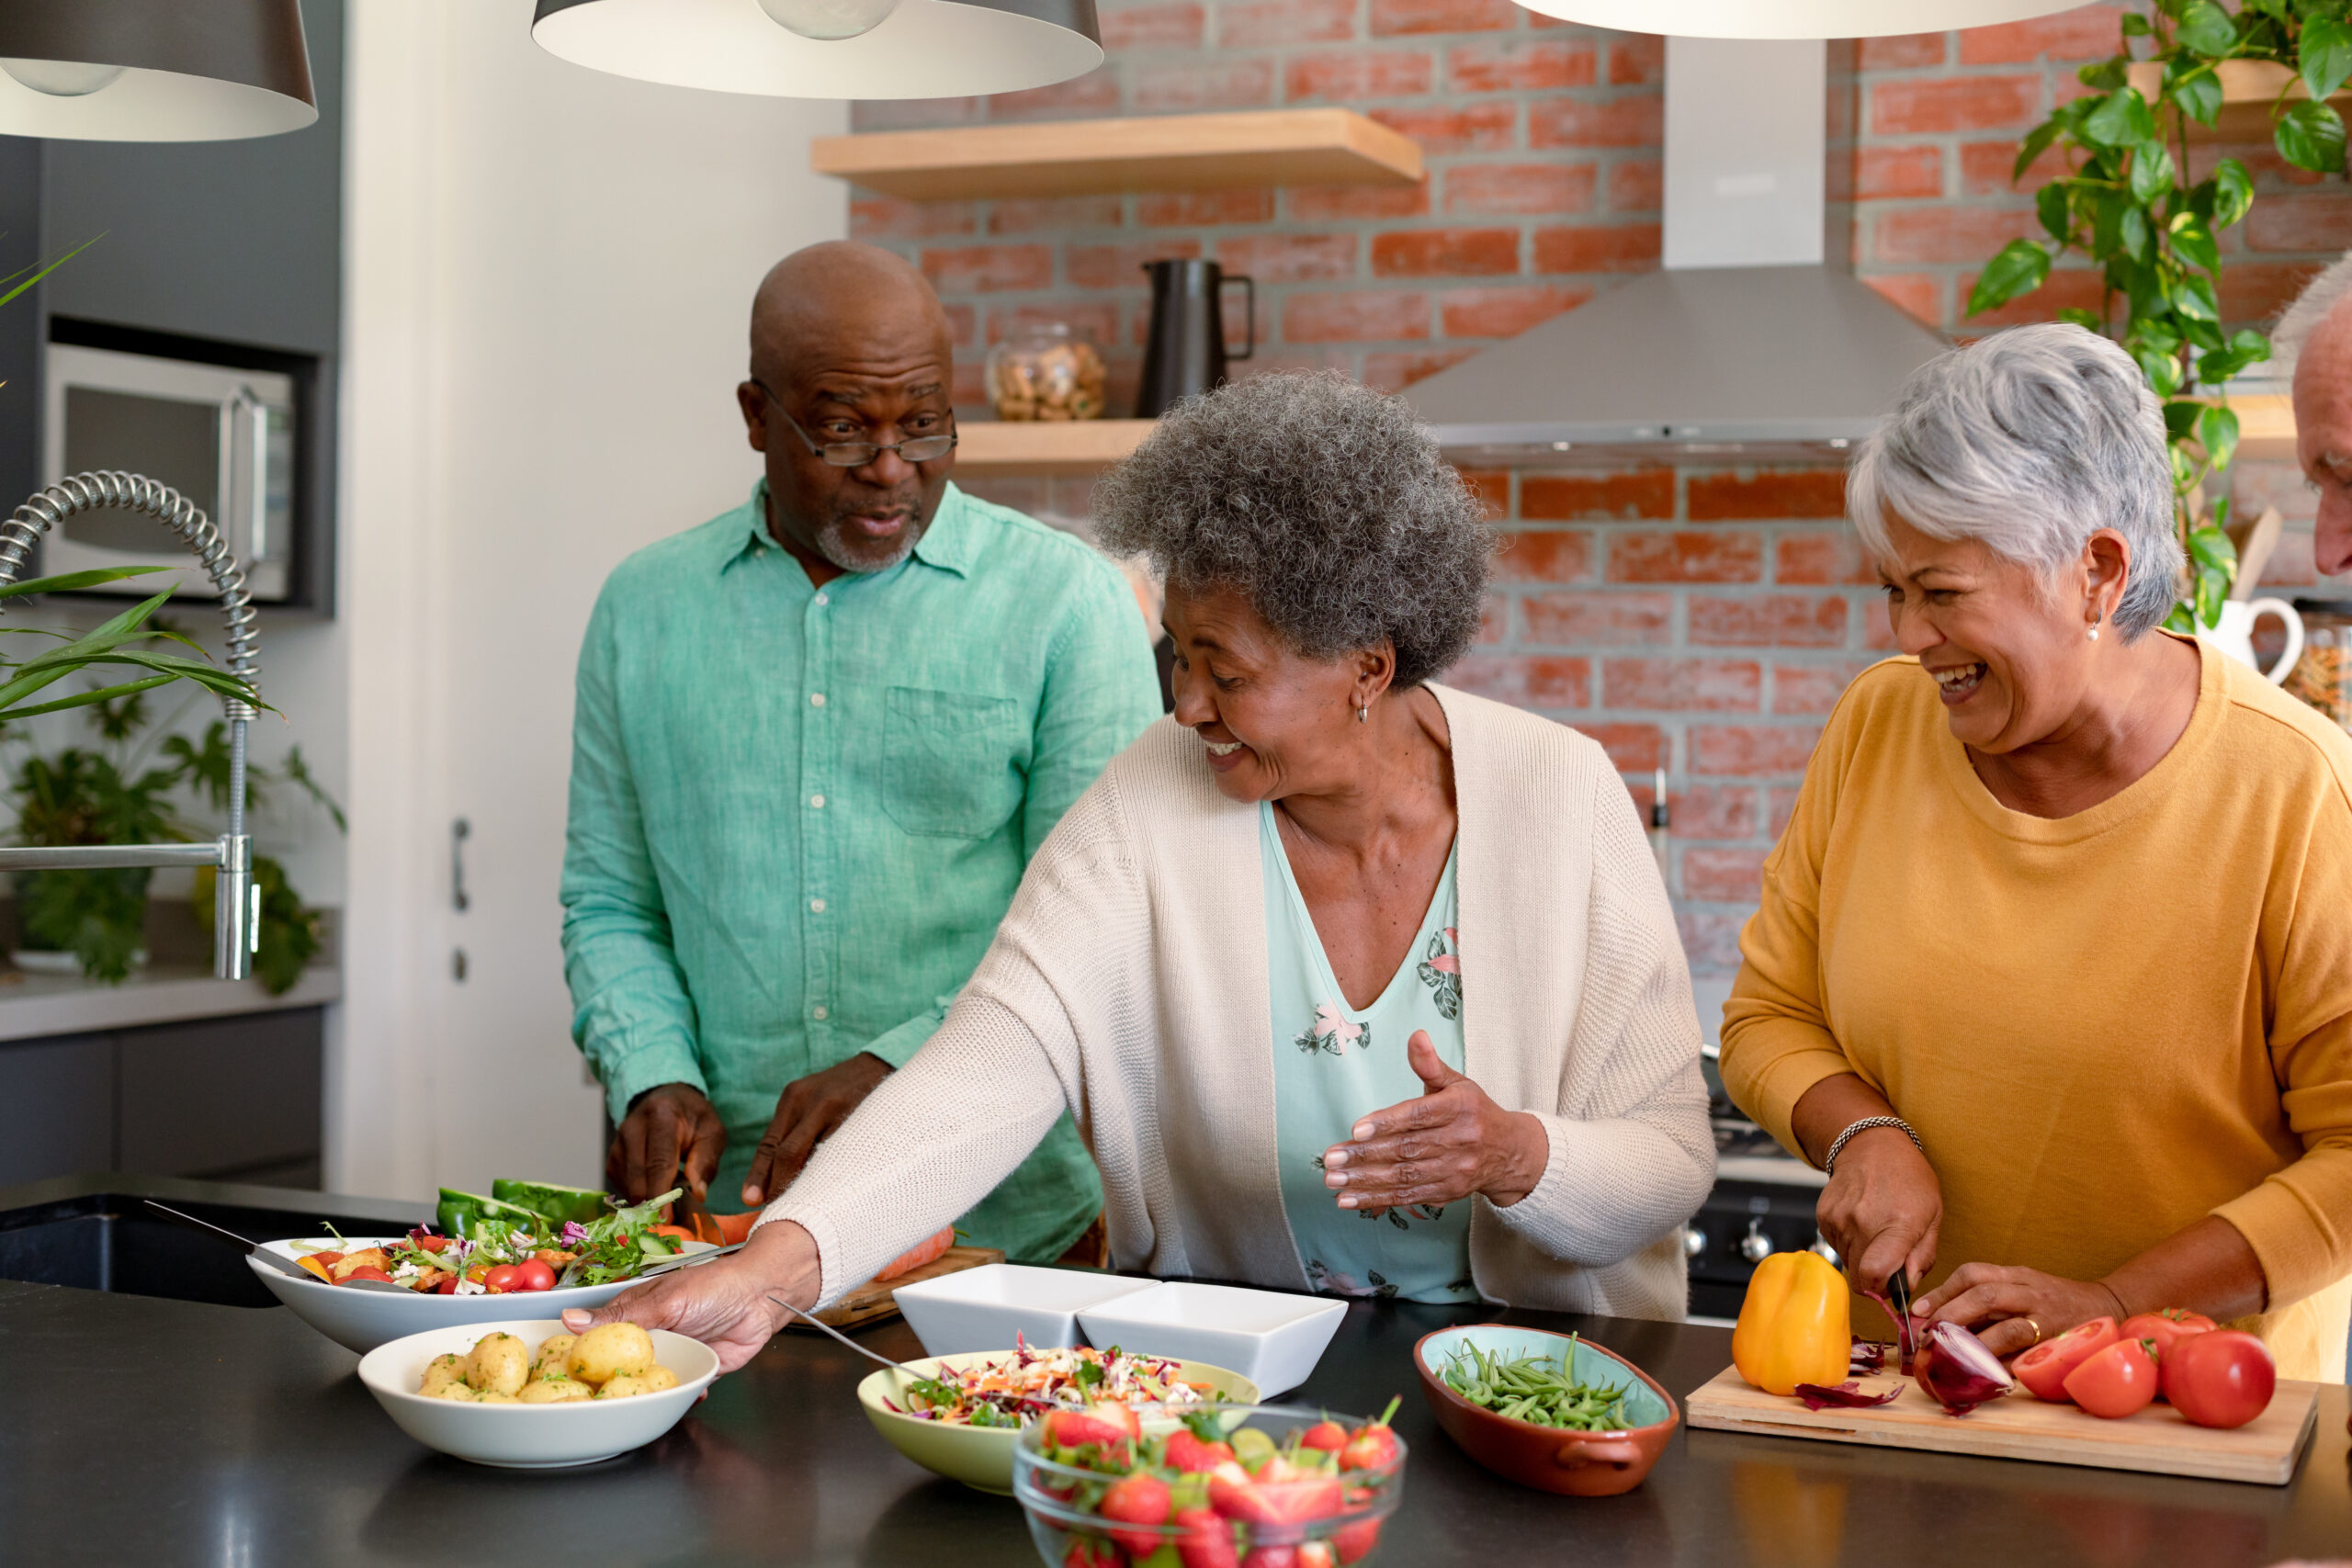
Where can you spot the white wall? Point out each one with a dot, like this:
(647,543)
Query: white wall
(549,277)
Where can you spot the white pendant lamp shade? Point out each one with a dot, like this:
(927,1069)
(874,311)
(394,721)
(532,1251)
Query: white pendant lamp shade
(815,49)
(153,70)
(1793,19)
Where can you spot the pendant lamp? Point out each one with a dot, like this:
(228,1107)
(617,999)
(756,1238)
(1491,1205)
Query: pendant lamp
(1793,19)
(153,70)
(827,49)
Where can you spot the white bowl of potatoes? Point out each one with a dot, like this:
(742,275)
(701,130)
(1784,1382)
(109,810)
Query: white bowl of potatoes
(530,1395)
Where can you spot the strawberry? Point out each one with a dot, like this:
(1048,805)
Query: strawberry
(1116,1413)
(1233,1492)
(1373,1446)
(1190,1455)
(1316,1555)
(1352,1542)
(1326,1435)
(1137,1499)
(1085,1554)
(1303,1496)
(1207,1541)
(1076,1429)
(1272,1557)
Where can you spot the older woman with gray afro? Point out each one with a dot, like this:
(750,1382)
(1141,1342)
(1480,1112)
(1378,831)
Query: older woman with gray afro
(1352,982)
(2052,974)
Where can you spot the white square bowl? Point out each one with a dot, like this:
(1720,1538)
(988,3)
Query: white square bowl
(984,1308)
(1271,1338)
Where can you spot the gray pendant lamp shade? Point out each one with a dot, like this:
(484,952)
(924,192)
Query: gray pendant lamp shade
(153,70)
(1793,19)
(829,48)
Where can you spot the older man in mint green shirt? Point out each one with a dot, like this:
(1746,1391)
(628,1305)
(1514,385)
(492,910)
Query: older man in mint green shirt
(800,807)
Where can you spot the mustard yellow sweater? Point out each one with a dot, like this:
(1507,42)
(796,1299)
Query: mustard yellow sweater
(2104,1026)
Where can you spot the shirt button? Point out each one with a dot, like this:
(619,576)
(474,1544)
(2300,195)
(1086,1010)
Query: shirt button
(817,1012)
(817,801)
(818,905)
(823,598)
(816,699)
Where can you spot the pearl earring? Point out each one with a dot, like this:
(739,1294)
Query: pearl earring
(2095,621)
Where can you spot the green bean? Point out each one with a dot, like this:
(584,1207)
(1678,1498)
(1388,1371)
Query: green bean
(1534,1388)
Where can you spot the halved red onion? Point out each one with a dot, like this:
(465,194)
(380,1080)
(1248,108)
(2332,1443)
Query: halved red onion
(1957,1371)
(1847,1395)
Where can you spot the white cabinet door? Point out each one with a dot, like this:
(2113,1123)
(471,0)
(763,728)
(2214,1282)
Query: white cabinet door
(550,273)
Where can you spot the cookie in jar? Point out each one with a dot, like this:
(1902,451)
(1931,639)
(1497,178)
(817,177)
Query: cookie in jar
(1050,372)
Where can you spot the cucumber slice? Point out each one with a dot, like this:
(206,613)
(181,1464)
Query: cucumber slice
(556,1204)
(462,1213)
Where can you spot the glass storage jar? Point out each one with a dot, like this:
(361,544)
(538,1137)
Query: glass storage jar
(1050,371)
(2322,677)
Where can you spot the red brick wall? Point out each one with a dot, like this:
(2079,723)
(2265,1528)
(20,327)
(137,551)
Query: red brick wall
(1702,620)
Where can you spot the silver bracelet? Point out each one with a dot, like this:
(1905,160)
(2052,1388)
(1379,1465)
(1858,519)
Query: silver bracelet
(1829,1162)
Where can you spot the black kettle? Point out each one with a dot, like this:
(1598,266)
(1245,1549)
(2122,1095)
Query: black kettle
(1186,353)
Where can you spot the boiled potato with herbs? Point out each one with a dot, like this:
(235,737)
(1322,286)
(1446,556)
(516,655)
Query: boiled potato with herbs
(500,1364)
(492,1396)
(555,1355)
(445,1371)
(659,1378)
(610,1350)
(455,1389)
(554,1390)
(626,1385)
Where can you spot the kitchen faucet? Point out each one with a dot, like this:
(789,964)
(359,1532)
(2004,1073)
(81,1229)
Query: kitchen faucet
(236,898)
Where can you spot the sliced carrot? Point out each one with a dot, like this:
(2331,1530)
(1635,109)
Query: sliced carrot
(680,1232)
(733,1228)
(916,1257)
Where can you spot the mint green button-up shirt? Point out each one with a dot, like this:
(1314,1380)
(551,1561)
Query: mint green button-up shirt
(797,814)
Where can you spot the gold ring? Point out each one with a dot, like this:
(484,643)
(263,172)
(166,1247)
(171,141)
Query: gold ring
(2037,1333)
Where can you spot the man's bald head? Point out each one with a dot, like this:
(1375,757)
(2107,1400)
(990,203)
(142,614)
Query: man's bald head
(847,304)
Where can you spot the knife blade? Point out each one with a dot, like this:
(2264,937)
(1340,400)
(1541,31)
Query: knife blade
(254,1249)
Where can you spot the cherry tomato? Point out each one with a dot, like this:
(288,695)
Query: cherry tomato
(2117,1381)
(2220,1378)
(365,1271)
(533,1275)
(2044,1368)
(500,1279)
(447,1286)
(433,1243)
(2167,1328)
(328,1258)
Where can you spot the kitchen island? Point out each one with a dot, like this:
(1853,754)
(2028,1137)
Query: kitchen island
(153,1431)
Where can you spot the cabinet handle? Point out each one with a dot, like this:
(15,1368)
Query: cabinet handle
(459,831)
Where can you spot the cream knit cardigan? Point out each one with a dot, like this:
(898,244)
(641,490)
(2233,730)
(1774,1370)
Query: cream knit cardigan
(1128,984)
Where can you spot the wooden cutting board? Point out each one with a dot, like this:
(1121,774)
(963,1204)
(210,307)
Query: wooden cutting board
(874,1301)
(2021,1427)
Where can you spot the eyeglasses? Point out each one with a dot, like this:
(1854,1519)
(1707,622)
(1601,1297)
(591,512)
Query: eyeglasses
(857,454)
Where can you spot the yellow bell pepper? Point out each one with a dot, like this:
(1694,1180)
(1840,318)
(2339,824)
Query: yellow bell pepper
(1795,1325)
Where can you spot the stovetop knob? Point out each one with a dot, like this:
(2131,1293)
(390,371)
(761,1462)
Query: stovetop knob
(1756,1246)
(1694,1241)
(1822,1247)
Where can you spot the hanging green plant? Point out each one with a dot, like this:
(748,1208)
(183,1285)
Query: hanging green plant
(2125,203)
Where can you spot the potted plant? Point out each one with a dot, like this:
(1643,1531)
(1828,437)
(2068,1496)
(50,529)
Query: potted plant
(2126,203)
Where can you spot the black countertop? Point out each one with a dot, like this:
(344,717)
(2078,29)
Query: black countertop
(140,1430)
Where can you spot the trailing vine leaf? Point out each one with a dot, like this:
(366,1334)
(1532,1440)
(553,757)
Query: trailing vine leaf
(2217,432)
(2020,269)
(2310,136)
(2197,92)
(2121,119)
(2233,193)
(2327,56)
(2206,29)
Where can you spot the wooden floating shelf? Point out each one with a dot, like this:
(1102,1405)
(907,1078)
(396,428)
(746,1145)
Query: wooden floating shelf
(1009,447)
(1200,152)
(2265,426)
(2249,89)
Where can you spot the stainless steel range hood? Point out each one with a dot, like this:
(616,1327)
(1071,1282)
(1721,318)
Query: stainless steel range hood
(1745,344)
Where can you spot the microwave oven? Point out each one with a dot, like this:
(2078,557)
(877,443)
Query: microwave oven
(224,437)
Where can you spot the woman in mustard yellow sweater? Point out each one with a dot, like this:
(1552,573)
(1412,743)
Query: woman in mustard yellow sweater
(2053,968)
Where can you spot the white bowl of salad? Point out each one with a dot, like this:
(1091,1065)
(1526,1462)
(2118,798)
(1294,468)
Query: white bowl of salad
(957,1415)
(485,1260)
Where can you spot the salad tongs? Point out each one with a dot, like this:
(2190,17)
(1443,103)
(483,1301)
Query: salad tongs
(254,1249)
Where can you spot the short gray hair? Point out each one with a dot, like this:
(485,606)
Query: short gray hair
(2318,301)
(1320,501)
(2028,441)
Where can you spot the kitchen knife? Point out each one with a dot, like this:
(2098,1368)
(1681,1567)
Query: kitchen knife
(254,1249)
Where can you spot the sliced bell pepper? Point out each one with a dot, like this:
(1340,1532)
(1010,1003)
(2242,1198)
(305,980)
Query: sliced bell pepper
(315,1267)
(1796,1324)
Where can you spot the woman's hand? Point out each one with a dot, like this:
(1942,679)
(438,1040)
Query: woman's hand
(1882,1208)
(1440,1148)
(2024,1307)
(725,1304)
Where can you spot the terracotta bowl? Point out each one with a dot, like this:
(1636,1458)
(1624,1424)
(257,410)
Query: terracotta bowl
(1578,1464)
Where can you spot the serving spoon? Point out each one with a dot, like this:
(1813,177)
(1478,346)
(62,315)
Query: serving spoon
(255,1249)
(900,1368)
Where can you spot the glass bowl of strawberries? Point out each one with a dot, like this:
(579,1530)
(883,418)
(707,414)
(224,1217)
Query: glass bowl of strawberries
(1234,1486)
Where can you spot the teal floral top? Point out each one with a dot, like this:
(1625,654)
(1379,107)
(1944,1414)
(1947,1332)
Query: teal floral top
(1332,1064)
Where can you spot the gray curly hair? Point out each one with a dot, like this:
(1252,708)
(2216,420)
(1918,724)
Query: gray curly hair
(1320,501)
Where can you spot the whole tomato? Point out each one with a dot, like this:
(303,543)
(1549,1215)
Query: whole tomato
(2220,1378)
(365,1271)
(2044,1369)
(533,1274)
(2120,1381)
(2167,1328)
(501,1279)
